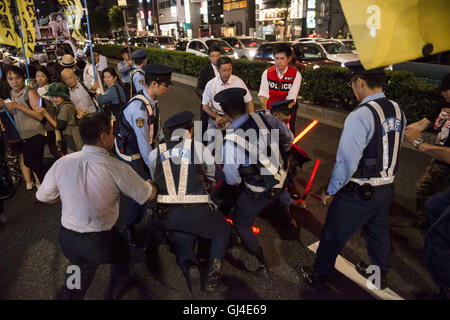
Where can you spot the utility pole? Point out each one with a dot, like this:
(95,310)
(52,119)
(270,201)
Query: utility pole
(123,6)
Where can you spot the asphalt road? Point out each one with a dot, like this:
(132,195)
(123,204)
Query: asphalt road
(33,267)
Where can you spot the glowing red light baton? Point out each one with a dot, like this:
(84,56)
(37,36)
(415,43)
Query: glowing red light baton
(305,193)
(305,131)
(255,229)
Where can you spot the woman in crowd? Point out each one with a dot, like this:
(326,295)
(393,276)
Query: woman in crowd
(66,119)
(25,109)
(114,98)
(94,84)
(43,82)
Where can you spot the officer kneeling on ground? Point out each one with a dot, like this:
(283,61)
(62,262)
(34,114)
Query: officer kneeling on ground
(184,170)
(362,183)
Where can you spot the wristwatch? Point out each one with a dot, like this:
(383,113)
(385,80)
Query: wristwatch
(418,142)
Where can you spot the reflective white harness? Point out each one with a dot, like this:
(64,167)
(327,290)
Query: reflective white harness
(279,174)
(181,196)
(131,80)
(387,174)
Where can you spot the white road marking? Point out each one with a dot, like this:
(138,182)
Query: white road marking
(348,269)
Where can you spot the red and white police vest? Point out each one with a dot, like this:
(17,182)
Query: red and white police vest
(279,88)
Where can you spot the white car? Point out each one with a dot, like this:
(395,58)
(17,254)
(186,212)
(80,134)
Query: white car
(334,50)
(200,47)
(349,43)
(245,47)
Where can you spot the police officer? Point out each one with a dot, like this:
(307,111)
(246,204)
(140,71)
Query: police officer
(137,76)
(184,208)
(137,130)
(261,178)
(362,183)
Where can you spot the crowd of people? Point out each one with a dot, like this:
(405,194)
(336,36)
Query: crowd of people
(109,117)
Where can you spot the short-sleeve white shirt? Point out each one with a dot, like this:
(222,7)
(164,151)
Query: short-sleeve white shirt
(89,183)
(216,85)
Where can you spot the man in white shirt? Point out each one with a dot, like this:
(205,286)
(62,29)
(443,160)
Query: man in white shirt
(225,80)
(89,183)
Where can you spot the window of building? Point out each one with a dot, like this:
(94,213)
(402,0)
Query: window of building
(234,4)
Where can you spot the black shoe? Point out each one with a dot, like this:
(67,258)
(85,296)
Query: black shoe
(132,240)
(312,278)
(361,267)
(213,280)
(263,268)
(248,261)
(191,273)
(118,289)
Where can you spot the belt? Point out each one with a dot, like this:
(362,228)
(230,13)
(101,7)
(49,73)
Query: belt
(255,189)
(374,181)
(125,157)
(174,199)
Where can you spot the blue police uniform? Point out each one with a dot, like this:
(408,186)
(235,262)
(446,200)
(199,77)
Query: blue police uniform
(137,75)
(362,180)
(183,204)
(261,178)
(437,241)
(137,130)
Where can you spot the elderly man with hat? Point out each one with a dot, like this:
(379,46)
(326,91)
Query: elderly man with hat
(184,170)
(247,163)
(138,130)
(68,62)
(137,75)
(362,184)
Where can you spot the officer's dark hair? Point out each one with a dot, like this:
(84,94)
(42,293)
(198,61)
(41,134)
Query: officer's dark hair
(373,80)
(282,47)
(212,49)
(92,125)
(234,110)
(223,60)
(139,61)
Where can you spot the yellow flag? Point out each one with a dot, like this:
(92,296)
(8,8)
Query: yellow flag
(73,10)
(8,34)
(27,19)
(393,31)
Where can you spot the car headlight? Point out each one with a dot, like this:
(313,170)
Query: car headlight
(236,55)
(342,65)
(316,66)
(252,54)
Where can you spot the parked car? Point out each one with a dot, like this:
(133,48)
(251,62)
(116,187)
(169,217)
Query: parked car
(245,47)
(163,42)
(349,43)
(303,55)
(181,44)
(333,50)
(200,47)
(138,41)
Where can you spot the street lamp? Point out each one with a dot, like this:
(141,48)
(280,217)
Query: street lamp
(123,6)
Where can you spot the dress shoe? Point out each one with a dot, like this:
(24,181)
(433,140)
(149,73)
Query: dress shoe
(361,267)
(132,240)
(312,278)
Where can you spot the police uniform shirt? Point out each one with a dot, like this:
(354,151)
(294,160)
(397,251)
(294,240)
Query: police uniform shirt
(293,91)
(201,152)
(137,116)
(89,183)
(285,134)
(216,85)
(234,157)
(358,131)
(125,71)
(138,79)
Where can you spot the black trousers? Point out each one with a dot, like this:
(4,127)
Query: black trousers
(33,153)
(88,251)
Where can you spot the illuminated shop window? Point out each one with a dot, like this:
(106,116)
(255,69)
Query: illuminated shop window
(234,4)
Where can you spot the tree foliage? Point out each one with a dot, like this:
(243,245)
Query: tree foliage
(116,17)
